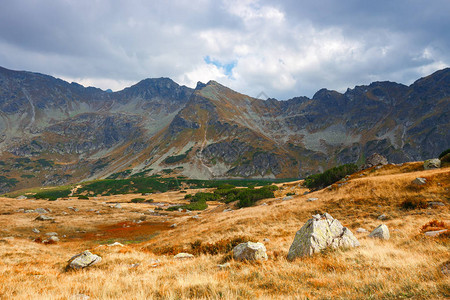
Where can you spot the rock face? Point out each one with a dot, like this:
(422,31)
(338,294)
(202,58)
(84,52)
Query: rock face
(250,251)
(319,233)
(434,163)
(375,160)
(83,260)
(381,232)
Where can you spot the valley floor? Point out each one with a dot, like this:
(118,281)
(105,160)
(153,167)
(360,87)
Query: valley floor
(408,265)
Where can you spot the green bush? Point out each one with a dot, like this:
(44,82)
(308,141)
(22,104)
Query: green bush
(330,176)
(52,194)
(444,153)
(137,200)
(83,197)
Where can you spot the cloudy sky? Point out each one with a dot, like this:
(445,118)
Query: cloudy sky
(282,48)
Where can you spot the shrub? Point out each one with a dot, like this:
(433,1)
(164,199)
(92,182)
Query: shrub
(83,197)
(52,194)
(444,153)
(416,203)
(290,194)
(445,159)
(188,196)
(330,176)
(137,200)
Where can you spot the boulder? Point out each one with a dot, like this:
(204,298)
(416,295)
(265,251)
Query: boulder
(41,210)
(44,218)
(83,260)
(419,181)
(434,163)
(381,232)
(312,199)
(250,251)
(375,160)
(318,233)
(183,256)
(382,217)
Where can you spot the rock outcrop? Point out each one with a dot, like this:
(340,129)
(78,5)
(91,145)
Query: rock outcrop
(250,251)
(318,233)
(419,181)
(434,163)
(375,160)
(381,232)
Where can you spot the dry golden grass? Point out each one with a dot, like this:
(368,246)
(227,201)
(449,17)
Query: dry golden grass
(406,266)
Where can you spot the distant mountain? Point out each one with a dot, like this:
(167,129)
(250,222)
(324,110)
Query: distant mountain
(54,132)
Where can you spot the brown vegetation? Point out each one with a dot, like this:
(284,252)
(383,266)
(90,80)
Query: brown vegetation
(406,266)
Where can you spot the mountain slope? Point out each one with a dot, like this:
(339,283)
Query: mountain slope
(54,132)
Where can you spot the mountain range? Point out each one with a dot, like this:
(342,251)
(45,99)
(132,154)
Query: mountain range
(53,132)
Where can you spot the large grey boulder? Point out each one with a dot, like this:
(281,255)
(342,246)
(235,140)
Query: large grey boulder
(250,251)
(434,163)
(381,232)
(319,233)
(83,260)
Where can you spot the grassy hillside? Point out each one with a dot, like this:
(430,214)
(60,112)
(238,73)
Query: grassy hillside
(406,266)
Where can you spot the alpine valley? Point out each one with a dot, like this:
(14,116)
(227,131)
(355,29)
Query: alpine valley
(53,132)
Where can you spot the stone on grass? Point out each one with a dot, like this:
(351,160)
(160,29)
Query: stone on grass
(41,210)
(118,205)
(318,233)
(35,230)
(44,218)
(83,260)
(375,160)
(419,181)
(382,217)
(183,255)
(22,197)
(361,230)
(287,198)
(80,297)
(224,266)
(312,199)
(434,163)
(115,244)
(381,232)
(435,232)
(51,234)
(52,239)
(445,268)
(436,203)
(250,251)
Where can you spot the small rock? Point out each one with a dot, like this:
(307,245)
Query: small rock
(21,197)
(382,217)
(250,251)
(264,204)
(381,232)
(8,238)
(195,217)
(173,225)
(419,181)
(434,163)
(306,193)
(436,203)
(312,199)
(361,230)
(118,205)
(134,265)
(20,210)
(83,260)
(51,234)
(266,240)
(35,230)
(41,210)
(29,211)
(224,266)
(154,263)
(44,218)
(64,213)
(288,198)
(53,239)
(183,256)
(115,244)
(227,210)
(435,232)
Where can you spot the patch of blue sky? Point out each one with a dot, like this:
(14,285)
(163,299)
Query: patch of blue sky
(226,67)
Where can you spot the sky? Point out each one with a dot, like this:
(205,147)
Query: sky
(282,49)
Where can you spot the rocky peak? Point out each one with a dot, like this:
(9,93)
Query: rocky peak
(151,88)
